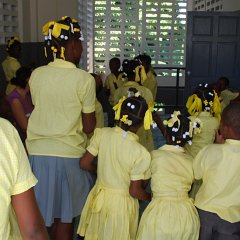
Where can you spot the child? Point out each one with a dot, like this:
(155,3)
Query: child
(16,183)
(218,166)
(111,210)
(225,94)
(151,82)
(11,63)
(20,101)
(64,111)
(204,104)
(135,75)
(171,213)
(112,83)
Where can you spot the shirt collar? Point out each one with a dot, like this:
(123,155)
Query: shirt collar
(61,63)
(172,148)
(129,134)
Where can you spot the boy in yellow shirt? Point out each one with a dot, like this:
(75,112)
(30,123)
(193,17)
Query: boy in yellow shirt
(113,81)
(218,165)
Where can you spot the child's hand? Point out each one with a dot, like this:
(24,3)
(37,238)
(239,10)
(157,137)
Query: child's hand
(219,138)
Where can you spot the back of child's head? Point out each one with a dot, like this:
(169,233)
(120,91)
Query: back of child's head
(114,64)
(181,129)
(230,118)
(57,34)
(204,99)
(22,76)
(222,83)
(14,47)
(134,71)
(129,68)
(145,61)
(133,111)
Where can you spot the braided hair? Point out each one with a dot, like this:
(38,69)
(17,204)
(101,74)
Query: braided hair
(204,99)
(128,68)
(181,128)
(14,47)
(58,33)
(133,111)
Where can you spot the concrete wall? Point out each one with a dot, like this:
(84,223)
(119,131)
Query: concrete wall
(35,13)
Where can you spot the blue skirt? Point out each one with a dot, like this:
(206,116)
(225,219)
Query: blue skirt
(62,187)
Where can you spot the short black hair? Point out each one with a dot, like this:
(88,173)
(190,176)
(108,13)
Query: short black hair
(231,116)
(225,80)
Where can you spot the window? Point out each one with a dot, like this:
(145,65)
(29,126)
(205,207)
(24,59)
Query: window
(126,28)
(8,20)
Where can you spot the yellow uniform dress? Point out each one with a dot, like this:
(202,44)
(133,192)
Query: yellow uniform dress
(151,83)
(110,213)
(10,66)
(15,176)
(207,134)
(171,214)
(218,165)
(227,96)
(56,129)
(145,136)
(112,84)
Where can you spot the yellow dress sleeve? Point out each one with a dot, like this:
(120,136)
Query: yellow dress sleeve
(93,147)
(141,167)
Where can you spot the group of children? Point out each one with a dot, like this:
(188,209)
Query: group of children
(65,114)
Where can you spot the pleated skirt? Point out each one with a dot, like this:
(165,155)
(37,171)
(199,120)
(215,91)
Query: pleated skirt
(62,187)
(169,219)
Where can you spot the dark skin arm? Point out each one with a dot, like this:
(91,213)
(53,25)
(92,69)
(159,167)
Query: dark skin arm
(29,219)
(136,191)
(89,122)
(87,163)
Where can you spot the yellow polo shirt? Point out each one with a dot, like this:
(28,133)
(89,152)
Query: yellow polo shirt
(10,66)
(61,92)
(109,85)
(227,96)
(151,83)
(15,175)
(218,165)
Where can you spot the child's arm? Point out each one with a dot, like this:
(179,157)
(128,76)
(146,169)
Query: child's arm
(89,122)
(28,216)
(87,163)
(136,191)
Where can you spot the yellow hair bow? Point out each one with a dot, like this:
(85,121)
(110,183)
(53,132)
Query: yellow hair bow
(140,73)
(148,119)
(217,106)
(117,108)
(45,28)
(125,120)
(194,104)
(57,29)
(195,126)
(11,41)
(174,118)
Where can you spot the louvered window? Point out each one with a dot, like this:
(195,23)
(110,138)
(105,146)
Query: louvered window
(8,20)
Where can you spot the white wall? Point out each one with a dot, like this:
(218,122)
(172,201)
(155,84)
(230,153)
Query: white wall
(35,13)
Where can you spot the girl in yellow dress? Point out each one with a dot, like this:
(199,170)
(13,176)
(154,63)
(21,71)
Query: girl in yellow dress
(111,209)
(135,74)
(205,105)
(171,214)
